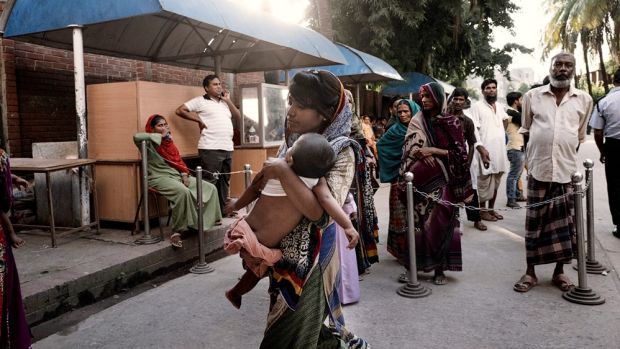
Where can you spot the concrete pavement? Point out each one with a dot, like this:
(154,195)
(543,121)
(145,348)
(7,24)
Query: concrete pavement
(477,309)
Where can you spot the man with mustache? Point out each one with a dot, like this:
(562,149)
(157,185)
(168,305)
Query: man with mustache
(554,120)
(489,117)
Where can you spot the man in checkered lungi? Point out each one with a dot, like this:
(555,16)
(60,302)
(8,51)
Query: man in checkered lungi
(554,124)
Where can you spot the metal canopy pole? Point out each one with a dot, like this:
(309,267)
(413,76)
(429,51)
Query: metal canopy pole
(218,65)
(80,107)
(358,89)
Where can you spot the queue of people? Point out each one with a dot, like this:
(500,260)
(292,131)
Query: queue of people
(314,228)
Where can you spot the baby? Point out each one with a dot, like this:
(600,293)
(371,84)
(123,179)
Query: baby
(257,236)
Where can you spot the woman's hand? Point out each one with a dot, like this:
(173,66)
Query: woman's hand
(426,154)
(185,179)
(20,182)
(353,236)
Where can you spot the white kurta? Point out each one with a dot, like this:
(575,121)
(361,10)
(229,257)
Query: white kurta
(490,127)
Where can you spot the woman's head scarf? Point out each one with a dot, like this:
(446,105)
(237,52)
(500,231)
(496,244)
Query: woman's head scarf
(436,92)
(322,91)
(390,146)
(167,149)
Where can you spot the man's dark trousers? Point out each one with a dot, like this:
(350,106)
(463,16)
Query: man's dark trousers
(612,172)
(217,161)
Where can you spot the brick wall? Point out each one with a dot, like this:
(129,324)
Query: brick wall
(40,100)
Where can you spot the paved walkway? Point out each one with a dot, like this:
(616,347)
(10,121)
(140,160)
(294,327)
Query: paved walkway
(476,309)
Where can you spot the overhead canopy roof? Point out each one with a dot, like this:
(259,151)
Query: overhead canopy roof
(412,83)
(359,67)
(188,33)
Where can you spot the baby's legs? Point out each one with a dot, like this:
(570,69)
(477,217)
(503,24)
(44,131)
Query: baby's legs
(245,285)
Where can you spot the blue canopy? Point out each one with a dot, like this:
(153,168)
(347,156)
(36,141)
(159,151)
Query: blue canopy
(190,33)
(359,67)
(411,84)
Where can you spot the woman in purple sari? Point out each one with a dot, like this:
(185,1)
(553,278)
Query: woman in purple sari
(14,331)
(436,154)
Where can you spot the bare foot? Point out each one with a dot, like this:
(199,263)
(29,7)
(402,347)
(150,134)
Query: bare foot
(16,241)
(234,298)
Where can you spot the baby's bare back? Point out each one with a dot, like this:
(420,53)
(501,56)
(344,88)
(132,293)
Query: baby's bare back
(272,218)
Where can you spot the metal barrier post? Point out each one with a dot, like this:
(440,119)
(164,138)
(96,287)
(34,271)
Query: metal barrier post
(413,289)
(581,294)
(201,267)
(247,169)
(147,239)
(592,265)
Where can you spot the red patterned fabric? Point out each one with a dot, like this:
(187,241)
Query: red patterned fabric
(167,149)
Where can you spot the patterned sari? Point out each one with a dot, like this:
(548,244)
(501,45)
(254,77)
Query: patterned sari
(438,238)
(14,331)
(304,284)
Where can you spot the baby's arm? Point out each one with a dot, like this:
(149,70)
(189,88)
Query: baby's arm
(330,205)
(249,195)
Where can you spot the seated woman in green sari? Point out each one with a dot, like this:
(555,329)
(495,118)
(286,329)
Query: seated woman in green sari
(168,174)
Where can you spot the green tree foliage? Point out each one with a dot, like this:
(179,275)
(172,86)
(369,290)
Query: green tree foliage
(593,22)
(447,39)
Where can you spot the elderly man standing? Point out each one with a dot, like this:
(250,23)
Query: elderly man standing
(213,112)
(554,124)
(489,116)
(606,124)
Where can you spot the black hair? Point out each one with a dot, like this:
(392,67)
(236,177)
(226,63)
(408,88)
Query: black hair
(405,102)
(318,90)
(459,92)
(488,82)
(512,97)
(155,120)
(312,155)
(546,80)
(394,99)
(207,80)
(617,77)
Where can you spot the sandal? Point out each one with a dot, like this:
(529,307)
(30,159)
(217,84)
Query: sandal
(525,283)
(497,215)
(562,282)
(480,226)
(403,278)
(488,216)
(178,243)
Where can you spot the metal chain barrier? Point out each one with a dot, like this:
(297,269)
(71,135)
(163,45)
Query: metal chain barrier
(468,207)
(216,174)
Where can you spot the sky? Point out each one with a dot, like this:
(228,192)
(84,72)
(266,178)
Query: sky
(529,26)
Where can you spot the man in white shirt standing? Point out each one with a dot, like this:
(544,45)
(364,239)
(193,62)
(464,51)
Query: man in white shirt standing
(213,113)
(554,121)
(489,116)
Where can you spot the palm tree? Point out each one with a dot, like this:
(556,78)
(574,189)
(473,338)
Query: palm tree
(596,19)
